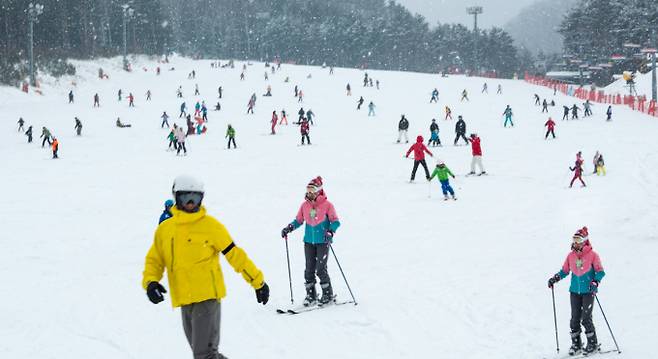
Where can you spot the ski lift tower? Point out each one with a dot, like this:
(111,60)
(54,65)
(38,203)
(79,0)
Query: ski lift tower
(33,12)
(475,11)
(128,12)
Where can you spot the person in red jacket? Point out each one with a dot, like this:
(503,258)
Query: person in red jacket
(419,157)
(275,118)
(577,172)
(476,149)
(550,128)
(304,130)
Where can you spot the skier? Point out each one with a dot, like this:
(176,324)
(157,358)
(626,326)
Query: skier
(310,115)
(194,273)
(349,90)
(250,106)
(219,90)
(148,95)
(204,111)
(536,100)
(419,150)
(179,92)
(78,126)
(166,213)
(485,88)
(172,138)
(442,172)
(242,76)
(183,110)
(97,101)
(301,114)
(28,133)
(304,129)
(371,109)
(180,139)
(21,122)
(476,150)
(119,94)
(448,113)
(609,113)
(403,127)
(321,225)
(377,84)
(574,112)
(196,90)
(230,134)
(274,120)
(359,103)
(586,274)
(71,96)
(460,130)
(190,125)
(508,116)
(464,96)
(434,134)
(284,118)
(600,165)
(55,145)
(500,89)
(165,119)
(131,100)
(565,114)
(218,106)
(268,92)
(577,172)
(544,106)
(296,91)
(435,96)
(45,133)
(197,109)
(588,108)
(550,124)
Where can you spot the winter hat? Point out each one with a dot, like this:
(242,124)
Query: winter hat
(420,139)
(581,235)
(440,162)
(316,185)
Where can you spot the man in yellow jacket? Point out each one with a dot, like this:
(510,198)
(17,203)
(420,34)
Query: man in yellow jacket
(188,245)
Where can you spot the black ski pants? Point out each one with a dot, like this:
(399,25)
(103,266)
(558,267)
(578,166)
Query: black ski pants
(316,263)
(232,139)
(581,311)
(549,132)
(181,146)
(45,139)
(462,136)
(416,163)
(308,139)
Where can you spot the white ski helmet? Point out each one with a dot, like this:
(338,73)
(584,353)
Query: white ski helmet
(186,183)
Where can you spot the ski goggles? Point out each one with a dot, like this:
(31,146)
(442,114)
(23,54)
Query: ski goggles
(184,197)
(578,239)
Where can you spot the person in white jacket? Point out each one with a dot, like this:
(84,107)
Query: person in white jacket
(180,138)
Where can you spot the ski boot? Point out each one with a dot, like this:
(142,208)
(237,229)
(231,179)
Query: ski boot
(311,295)
(445,197)
(592,343)
(327,294)
(576,344)
(454,198)
(482,173)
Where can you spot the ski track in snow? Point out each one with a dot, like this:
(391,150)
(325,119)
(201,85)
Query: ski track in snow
(453,279)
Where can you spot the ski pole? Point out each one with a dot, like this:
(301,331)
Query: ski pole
(557,342)
(608,324)
(342,273)
(289,275)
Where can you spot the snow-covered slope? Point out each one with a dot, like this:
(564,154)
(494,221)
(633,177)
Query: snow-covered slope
(434,279)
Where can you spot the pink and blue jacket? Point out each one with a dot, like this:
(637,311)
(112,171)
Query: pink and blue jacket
(320,216)
(585,266)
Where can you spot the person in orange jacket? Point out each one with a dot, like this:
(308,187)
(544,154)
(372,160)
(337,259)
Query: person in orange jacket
(55,147)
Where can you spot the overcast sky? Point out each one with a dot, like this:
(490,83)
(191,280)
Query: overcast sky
(496,12)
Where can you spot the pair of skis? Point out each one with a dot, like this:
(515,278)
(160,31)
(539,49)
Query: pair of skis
(587,355)
(302,309)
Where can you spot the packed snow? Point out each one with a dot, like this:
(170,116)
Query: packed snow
(433,278)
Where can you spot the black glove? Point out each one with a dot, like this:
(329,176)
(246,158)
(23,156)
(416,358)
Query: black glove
(263,294)
(329,236)
(154,291)
(287,229)
(554,279)
(594,286)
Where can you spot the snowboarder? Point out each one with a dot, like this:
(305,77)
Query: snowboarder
(419,150)
(476,150)
(460,130)
(371,109)
(97,101)
(508,116)
(230,134)
(464,96)
(321,225)
(434,135)
(586,274)
(403,127)
(574,112)
(195,277)
(565,114)
(166,213)
(448,113)
(359,103)
(45,133)
(577,172)
(284,118)
(55,145)
(274,120)
(21,122)
(78,126)
(550,127)
(183,110)
(71,96)
(485,88)
(180,139)
(609,114)
(165,119)
(28,133)
(442,172)
(544,106)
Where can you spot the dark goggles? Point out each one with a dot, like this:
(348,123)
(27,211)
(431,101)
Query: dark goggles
(183,198)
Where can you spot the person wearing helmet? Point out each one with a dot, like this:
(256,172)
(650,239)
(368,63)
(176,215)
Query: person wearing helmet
(419,150)
(166,214)
(321,225)
(187,247)
(460,130)
(586,274)
(442,172)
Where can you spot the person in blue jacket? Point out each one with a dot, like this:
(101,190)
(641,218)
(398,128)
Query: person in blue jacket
(166,214)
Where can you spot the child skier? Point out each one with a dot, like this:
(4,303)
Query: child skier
(419,150)
(434,134)
(550,124)
(586,274)
(321,225)
(55,147)
(442,172)
(508,116)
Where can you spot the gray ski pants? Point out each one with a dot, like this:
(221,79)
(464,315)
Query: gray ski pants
(201,324)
